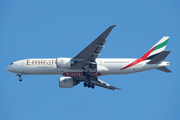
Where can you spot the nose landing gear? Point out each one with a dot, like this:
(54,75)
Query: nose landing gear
(20,77)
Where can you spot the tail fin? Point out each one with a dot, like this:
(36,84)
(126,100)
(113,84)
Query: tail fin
(158,48)
(155,54)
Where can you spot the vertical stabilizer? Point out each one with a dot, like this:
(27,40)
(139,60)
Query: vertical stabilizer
(158,47)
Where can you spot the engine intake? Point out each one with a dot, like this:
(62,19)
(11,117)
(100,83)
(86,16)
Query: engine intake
(67,82)
(64,62)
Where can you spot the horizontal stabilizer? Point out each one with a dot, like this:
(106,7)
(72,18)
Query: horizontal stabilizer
(159,58)
(164,69)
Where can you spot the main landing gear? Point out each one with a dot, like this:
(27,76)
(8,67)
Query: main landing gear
(89,85)
(20,77)
(88,76)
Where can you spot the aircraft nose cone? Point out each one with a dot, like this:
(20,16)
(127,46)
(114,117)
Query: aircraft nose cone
(8,68)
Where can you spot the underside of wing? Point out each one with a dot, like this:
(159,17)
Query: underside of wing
(97,82)
(101,83)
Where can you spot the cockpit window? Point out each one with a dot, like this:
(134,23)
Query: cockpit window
(11,64)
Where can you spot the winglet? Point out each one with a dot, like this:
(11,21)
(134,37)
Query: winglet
(112,26)
(107,31)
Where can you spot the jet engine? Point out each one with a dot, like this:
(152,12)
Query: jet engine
(64,62)
(67,82)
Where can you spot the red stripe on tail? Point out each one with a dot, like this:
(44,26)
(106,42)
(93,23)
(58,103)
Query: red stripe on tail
(139,60)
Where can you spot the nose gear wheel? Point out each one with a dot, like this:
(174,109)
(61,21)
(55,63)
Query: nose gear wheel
(20,77)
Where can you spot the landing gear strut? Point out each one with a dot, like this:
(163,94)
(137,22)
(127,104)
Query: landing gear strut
(20,77)
(88,76)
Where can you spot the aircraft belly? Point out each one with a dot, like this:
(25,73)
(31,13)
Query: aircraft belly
(39,70)
(136,68)
(78,72)
(116,68)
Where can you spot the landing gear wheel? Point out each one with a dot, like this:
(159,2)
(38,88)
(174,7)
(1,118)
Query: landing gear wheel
(89,85)
(20,79)
(85,84)
(92,86)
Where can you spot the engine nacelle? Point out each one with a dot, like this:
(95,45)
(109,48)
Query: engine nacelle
(67,82)
(64,62)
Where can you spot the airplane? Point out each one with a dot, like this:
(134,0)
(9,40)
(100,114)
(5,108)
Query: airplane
(86,67)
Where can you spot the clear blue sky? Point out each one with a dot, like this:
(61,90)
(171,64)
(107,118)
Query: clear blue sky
(55,28)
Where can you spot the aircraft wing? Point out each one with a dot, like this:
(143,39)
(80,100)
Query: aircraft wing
(101,83)
(97,82)
(91,52)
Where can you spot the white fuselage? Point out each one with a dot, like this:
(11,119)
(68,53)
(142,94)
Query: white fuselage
(105,66)
(86,66)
